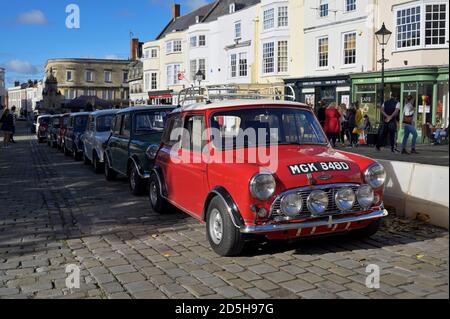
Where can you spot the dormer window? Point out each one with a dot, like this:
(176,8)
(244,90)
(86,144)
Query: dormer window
(232,8)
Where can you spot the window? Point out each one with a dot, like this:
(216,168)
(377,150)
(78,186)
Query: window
(193,69)
(323,52)
(70,94)
(269,19)
(243,65)
(323,8)
(126,126)
(350,5)
(154,53)
(193,41)
(435,20)
(233,64)
(173,71)
(125,76)
(147,82)
(146,53)
(172,132)
(90,93)
(202,67)
(283,16)
(201,40)
(89,76)
(350,48)
(117,124)
(282,56)
(238,30)
(268,57)
(104,123)
(69,76)
(173,46)
(408,27)
(108,76)
(150,122)
(193,140)
(107,95)
(154,82)
(232,8)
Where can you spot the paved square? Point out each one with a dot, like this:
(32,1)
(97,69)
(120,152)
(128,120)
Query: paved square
(55,211)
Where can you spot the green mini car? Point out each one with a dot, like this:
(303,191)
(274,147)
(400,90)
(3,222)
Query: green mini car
(134,132)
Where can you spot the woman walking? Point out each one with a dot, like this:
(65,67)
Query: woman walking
(332,126)
(343,123)
(7,124)
(352,126)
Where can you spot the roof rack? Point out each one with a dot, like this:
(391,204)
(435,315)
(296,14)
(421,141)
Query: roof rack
(209,94)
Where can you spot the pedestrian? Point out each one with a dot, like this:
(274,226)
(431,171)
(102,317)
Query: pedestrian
(343,123)
(332,125)
(408,126)
(352,127)
(389,111)
(13,132)
(7,122)
(321,112)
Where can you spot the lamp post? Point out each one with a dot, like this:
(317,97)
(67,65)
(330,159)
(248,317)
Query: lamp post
(199,77)
(383,35)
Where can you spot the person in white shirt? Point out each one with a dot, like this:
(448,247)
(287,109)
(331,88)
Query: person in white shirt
(408,126)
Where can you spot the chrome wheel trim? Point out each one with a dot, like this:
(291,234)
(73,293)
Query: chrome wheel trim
(153,194)
(133,179)
(215,225)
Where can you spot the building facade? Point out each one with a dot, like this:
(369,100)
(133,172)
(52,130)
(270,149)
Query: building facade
(101,78)
(338,41)
(418,59)
(2,87)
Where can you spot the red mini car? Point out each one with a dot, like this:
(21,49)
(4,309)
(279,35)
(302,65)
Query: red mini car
(262,167)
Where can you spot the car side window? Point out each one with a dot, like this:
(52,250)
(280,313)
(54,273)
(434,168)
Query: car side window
(126,126)
(91,124)
(194,127)
(171,133)
(117,125)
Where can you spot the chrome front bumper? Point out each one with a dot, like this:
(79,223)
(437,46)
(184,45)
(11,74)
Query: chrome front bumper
(329,221)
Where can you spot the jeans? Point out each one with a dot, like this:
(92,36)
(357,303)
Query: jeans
(409,129)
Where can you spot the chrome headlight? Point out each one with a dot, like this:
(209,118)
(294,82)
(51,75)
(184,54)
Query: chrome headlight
(292,204)
(345,199)
(375,175)
(317,202)
(365,196)
(262,186)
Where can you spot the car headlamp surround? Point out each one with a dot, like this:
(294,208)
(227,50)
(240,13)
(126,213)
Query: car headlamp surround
(292,204)
(365,196)
(375,175)
(262,186)
(317,202)
(345,198)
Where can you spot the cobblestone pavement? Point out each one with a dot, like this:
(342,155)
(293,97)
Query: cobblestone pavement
(55,212)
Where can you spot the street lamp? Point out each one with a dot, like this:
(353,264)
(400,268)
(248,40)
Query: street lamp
(199,76)
(383,35)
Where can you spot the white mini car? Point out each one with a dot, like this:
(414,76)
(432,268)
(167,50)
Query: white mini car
(98,132)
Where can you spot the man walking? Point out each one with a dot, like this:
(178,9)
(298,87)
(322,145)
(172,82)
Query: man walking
(11,137)
(389,111)
(408,126)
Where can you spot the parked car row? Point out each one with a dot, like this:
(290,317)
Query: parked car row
(311,190)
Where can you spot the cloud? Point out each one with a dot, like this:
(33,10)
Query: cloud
(32,17)
(21,67)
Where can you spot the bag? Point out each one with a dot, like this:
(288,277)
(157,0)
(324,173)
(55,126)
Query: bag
(408,120)
(355,130)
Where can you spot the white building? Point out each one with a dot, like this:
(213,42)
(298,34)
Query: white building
(338,37)
(2,87)
(17,96)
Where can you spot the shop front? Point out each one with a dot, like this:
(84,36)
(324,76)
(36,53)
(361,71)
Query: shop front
(330,89)
(427,85)
(165,97)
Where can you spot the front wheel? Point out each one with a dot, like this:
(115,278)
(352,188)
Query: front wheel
(223,236)
(86,160)
(158,203)
(137,185)
(98,167)
(110,174)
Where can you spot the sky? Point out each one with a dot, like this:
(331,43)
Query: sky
(32,31)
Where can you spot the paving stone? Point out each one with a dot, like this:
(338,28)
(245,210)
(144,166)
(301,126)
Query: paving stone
(256,293)
(199,290)
(262,269)
(120,295)
(111,287)
(228,292)
(155,294)
(239,283)
(279,276)
(297,285)
(172,289)
(117,270)
(264,284)
(318,293)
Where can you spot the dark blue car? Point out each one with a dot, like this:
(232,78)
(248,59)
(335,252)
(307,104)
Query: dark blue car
(77,126)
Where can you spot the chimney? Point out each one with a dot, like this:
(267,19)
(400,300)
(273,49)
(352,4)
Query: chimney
(134,48)
(16,83)
(176,11)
